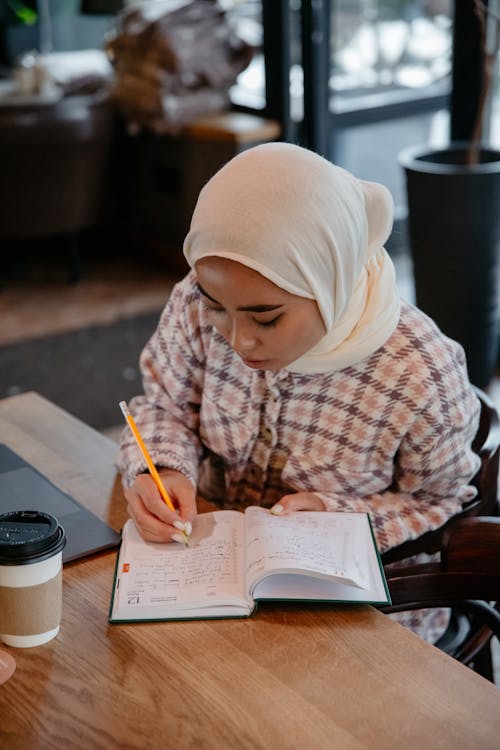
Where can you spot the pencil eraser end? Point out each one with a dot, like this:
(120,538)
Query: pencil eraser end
(123,406)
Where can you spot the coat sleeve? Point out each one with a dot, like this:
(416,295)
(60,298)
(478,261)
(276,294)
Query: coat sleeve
(432,471)
(167,414)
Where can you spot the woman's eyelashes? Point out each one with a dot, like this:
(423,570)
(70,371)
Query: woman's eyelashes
(210,308)
(269,323)
(263,323)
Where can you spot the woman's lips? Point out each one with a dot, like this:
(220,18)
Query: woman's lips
(255,363)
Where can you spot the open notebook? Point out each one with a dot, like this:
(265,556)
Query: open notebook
(237,559)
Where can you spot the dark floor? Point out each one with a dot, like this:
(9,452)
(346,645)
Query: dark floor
(79,344)
(87,372)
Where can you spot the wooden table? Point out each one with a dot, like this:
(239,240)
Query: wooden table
(288,677)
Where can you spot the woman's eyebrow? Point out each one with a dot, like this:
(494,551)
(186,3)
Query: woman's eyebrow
(248,308)
(205,294)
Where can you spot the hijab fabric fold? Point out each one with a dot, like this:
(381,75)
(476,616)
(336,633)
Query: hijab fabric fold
(312,229)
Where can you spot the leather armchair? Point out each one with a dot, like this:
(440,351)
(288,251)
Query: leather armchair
(54,167)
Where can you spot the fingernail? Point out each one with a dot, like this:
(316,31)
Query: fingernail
(277,509)
(179,525)
(188,527)
(178,538)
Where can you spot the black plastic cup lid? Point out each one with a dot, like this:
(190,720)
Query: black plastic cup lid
(28,536)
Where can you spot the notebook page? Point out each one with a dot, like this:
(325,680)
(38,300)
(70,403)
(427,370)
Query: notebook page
(322,544)
(173,576)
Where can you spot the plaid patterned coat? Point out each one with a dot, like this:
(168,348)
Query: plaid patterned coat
(390,435)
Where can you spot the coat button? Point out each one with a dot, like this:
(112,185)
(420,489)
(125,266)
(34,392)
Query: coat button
(267,434)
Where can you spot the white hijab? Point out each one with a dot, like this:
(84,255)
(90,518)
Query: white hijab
(314,230)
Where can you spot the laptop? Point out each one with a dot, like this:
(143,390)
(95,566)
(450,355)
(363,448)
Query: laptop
(22,487)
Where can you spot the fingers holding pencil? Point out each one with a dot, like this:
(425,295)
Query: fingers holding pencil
(145,505)
(155,521)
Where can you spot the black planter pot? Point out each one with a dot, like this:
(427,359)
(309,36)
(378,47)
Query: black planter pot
(454,230)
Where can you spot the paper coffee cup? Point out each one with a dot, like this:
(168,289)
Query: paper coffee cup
(31,545)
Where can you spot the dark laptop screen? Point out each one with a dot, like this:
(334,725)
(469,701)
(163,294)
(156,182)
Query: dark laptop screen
(22,487)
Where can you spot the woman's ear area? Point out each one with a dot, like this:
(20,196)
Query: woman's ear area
(379,208)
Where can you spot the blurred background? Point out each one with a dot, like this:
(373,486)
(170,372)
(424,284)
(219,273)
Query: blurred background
(114,114)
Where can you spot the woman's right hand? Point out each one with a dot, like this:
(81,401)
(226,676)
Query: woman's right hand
(152,516)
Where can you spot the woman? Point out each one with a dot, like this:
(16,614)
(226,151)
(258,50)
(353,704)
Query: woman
(285,370)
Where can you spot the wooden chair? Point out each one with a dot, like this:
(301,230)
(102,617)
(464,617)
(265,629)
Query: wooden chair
(466,576)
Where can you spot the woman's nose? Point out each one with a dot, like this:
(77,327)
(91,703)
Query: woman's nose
(240,338)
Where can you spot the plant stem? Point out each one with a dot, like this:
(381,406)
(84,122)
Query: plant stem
(488,56)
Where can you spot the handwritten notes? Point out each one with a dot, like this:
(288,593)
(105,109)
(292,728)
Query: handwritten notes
(157,574)
(320,543)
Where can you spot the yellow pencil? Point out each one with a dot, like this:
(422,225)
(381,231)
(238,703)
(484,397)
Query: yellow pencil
(152,468)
